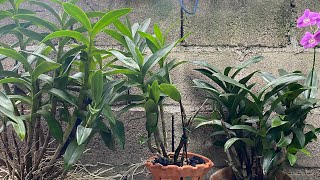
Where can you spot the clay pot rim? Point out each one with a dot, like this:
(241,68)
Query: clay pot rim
(208,163)
(228,168)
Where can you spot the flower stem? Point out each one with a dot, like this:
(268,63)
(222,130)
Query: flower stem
(312,72)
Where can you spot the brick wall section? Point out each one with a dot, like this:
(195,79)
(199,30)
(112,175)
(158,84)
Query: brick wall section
(224,32)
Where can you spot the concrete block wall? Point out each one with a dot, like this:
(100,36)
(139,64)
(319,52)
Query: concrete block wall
(224,32)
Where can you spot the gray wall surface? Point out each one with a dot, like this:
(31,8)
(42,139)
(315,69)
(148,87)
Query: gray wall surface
(224,32)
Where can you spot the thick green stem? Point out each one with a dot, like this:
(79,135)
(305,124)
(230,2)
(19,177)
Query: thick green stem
(164,129)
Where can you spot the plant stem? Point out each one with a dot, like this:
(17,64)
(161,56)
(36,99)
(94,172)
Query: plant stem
(312,72)
(164,129)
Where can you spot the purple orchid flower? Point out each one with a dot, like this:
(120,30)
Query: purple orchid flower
(309,40)
(308,18)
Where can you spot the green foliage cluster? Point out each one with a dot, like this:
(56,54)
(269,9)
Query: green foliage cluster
(65,87)
(262,128)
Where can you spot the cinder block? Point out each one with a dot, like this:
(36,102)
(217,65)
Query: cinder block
(241,22)
(183,75)
(165,13)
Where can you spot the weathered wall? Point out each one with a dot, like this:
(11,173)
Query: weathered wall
(224,32)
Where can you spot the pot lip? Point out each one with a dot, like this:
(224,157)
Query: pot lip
(208,163)
(229,168)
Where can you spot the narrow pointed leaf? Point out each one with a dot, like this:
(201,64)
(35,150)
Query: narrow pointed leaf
(245,128)
(67,33)
(43,68)
(17,122)
(97,85)
(72,154)
(171,91)
(55,128)
(126,60)
(82,134)
(107,19)
(231,141)
(37,21)
(63,95)
(5,102)
(47,7)
(152,60)
(75,12)
(16,56)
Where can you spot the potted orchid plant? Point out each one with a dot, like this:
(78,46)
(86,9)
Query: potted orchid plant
(263,130)
(149,75)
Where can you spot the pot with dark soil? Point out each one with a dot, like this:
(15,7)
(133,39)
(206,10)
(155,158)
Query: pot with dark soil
(194,167)
(151,79)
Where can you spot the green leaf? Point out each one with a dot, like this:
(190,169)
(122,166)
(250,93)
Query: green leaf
(72,154)
(5,102)
(15,80)
(286,79)
(126,60)
(117,36)
(68,33)
(75,12)
(37,21)
(82,134)
(17,123)
(155,92)
(152,39)
(305,151)
(246,128)
(249,62)
(35,36)
(107,19)
(277,121)
(122,28)
(24,98)
(231,141)
(18,2)
(158,33)
(284,140)
(171,91)
(143,140)
(16,56)
(311,82)
(299,135)
(97,86)
(153,59)
(107,111)
(43,67)
(291,158)
(108,139)
(49,8)
(55,128)
(268,161)
(4,14)
(211,122)
(70,52)
(2,1)
(151,109)
(119,132)
(63,95)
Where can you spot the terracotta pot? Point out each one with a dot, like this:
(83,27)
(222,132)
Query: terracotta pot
(227,174)
(173,172)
